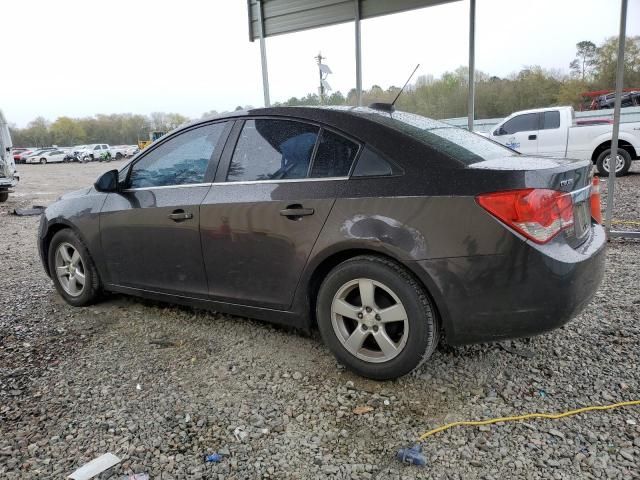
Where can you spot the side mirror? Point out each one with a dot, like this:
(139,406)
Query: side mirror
(107,182)
(497,132)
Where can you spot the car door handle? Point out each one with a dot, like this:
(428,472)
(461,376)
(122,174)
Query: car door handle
(180,215)
(532,137)
(294,211)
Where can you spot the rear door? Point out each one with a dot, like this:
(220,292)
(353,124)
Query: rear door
(150,232)
(265,211)
(520,133)
(552,140)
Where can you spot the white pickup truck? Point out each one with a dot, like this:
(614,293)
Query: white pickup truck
(553,132)
(8,175)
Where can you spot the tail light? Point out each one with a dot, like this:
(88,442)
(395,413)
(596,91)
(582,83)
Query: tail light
(594,200)
(538,214)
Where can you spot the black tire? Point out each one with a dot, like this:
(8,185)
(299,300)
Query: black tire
(423,335)
(43,161)
(4,196)
(118,156)
(92,288)
(625,168)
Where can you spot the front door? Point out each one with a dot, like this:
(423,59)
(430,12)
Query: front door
(150,231)
(263,215)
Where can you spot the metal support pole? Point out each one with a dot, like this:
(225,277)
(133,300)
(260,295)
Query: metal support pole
(472,65)
(263,56)
(613,159)
(358,54)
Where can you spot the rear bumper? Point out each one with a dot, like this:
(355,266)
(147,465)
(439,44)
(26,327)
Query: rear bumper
(527,292)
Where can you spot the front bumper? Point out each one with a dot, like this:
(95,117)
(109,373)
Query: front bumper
(527,292)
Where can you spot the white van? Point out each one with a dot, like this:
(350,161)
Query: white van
(8,175)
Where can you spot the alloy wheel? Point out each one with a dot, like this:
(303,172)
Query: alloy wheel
(619,163)
(70,269)
(369,320)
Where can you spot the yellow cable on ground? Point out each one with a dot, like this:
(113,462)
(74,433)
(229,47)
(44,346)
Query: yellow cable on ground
(625,222)
(553,416)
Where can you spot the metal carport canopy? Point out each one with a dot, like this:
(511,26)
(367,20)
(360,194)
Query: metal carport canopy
(286,16)
(275,17)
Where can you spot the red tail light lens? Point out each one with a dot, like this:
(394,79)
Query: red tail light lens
(538,214)
(594,200)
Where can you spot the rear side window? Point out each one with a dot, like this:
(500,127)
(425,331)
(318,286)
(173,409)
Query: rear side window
(522,123)
(271,150)
(550,120)
(457,143)
(334,156)
(181,160)
(371,164)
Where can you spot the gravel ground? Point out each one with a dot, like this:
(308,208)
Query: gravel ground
(160,386)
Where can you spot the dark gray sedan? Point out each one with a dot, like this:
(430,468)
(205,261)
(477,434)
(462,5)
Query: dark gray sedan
(387,230)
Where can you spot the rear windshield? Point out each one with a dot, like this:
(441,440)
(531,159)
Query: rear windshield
(455,142)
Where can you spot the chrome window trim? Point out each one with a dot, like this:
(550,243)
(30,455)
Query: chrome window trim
(248,182)
(162,187)
(284,180)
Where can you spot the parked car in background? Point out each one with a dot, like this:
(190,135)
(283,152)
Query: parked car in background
(553,132)
(95,151)
(119,152)
(8,174)
(387,231)
(22,157)
(35,154)
(73,154)
(132,150)
(48,156)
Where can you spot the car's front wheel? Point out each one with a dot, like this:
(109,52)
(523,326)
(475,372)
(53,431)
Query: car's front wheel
(72,269)
(376,318)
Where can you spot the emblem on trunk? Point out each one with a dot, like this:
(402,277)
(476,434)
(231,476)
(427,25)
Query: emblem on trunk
(566,183)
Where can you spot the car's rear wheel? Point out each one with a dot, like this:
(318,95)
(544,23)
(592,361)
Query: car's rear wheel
(118,156)
(4,196)
(376,318)
(622,164)
(72,269)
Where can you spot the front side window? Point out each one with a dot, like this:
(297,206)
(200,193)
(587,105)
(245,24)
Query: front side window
(522,123)
(550,120)
(334,157)
(181,160)
(271,149)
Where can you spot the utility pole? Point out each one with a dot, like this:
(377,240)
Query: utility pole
(319,59)
(323,72)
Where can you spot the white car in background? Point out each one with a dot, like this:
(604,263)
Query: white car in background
(47,156)
(95,151)
(8,175)
(554,132)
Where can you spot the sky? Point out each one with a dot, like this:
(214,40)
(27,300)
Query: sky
(78,58)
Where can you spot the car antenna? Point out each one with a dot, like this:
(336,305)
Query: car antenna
(389,107)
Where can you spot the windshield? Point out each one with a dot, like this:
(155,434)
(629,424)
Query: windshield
(460,144)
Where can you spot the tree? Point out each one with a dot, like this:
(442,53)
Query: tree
(68,132)
(585,60)
(606,63)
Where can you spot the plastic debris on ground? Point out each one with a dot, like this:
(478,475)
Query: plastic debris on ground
(136,476)
(412,455)
(213,458)
(95,467)
(26,212)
